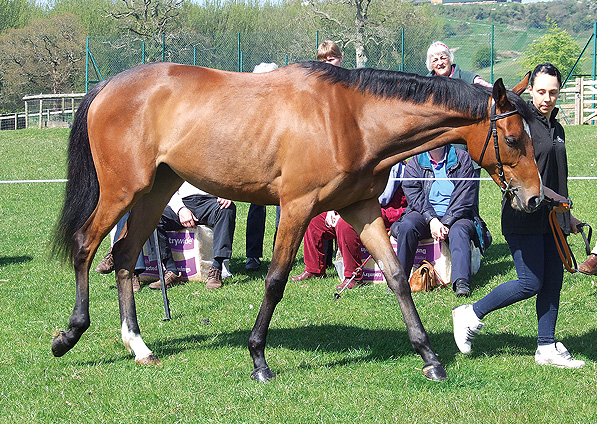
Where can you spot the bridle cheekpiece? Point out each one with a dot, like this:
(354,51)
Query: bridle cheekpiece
(505,186)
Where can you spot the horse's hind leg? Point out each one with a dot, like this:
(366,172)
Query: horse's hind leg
(288,240)
(365,217)
(86,241)
(143,219)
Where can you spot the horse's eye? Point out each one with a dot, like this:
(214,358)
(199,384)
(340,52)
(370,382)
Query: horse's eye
(511,141)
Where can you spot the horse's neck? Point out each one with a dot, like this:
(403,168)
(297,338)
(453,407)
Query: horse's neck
(410,129)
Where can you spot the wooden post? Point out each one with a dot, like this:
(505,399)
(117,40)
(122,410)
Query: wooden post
(578,101)
(26,114)
(41,108)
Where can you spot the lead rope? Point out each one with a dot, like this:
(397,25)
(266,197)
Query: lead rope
(562,245)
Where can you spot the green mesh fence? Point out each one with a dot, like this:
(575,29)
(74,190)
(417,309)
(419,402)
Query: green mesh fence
(473,44)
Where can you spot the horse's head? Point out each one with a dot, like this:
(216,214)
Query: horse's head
(507,152)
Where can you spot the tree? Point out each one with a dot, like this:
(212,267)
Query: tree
(149,19)
(556,47)
(93,15)
(46,56)
(375,25)
(482,57)
(15,14)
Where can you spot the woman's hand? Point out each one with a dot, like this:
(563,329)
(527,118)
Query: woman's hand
(574,223)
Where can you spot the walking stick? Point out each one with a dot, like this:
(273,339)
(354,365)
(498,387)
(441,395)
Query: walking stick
(356,273)
(161,274)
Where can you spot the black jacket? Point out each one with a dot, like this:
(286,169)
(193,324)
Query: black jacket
(458,165)
(550,154)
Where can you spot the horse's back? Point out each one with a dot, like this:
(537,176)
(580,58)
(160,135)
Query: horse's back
(236,135)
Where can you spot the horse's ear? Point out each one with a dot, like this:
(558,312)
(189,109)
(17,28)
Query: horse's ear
(523,84)
(499,95)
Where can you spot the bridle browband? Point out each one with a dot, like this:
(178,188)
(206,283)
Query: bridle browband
(504,185)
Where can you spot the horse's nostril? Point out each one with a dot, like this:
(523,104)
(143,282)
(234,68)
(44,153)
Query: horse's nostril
(534,203)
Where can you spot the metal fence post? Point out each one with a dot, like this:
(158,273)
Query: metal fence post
(86,66)
(491,57)
(594,48)
(238,53)
(401,49)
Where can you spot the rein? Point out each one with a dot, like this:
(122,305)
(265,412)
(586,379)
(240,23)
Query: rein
(504,185)
(562,245)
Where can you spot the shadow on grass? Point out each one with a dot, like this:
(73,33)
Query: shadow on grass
(363,344)
(11,260)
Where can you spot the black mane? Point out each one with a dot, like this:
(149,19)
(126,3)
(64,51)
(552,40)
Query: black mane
(451,93)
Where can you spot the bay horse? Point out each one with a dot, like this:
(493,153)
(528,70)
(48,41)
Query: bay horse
(310,137)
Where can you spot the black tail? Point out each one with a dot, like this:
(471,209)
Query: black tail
(82,187)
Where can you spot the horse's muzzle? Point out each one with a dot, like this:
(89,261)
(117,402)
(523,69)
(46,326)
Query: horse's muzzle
(533,204)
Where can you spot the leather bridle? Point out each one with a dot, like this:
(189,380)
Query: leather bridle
(505,186)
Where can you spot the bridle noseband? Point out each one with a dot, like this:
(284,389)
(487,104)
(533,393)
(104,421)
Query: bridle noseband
(504,185)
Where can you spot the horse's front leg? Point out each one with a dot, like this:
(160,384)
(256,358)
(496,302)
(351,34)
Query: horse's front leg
(366,218)
(288,240)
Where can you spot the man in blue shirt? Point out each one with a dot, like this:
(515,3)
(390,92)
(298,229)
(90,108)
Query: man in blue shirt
(439,207)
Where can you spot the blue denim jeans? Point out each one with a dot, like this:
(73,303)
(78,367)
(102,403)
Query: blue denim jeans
(540,272)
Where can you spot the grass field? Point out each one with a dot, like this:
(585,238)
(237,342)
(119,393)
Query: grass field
(336,362)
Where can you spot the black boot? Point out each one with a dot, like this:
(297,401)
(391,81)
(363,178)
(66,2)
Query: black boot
(462,287)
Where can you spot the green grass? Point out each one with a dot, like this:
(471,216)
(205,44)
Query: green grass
(344,361)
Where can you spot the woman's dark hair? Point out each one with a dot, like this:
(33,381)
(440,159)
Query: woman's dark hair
(546,68)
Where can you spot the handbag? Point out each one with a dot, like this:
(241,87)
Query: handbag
(425,278)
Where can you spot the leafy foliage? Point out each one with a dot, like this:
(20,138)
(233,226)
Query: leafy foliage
(556,47)
(482,57)
(44,56)
(15,14)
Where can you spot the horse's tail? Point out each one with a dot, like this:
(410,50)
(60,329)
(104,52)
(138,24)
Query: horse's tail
(82,188)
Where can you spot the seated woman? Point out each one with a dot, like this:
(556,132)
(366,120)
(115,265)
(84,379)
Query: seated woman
(440,208)
(329,226)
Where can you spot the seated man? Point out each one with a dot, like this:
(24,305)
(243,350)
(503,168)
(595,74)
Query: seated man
(329,226)
(439,208)
(188,207)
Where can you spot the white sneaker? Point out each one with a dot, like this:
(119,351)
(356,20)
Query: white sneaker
(466,326)
(558,357)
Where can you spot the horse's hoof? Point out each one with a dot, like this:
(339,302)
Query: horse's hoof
(435,372)
(59,346)
(148,360)
(263,375)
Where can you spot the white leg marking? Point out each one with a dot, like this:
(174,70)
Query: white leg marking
(134,343)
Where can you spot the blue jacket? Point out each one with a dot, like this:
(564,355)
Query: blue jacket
(458,165)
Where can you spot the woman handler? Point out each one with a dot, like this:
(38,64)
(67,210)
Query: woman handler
(538,266)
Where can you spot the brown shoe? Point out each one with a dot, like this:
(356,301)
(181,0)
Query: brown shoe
(589,266)
(306,275)
(106,266)
(170,278)
(214,278)
(136,283)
